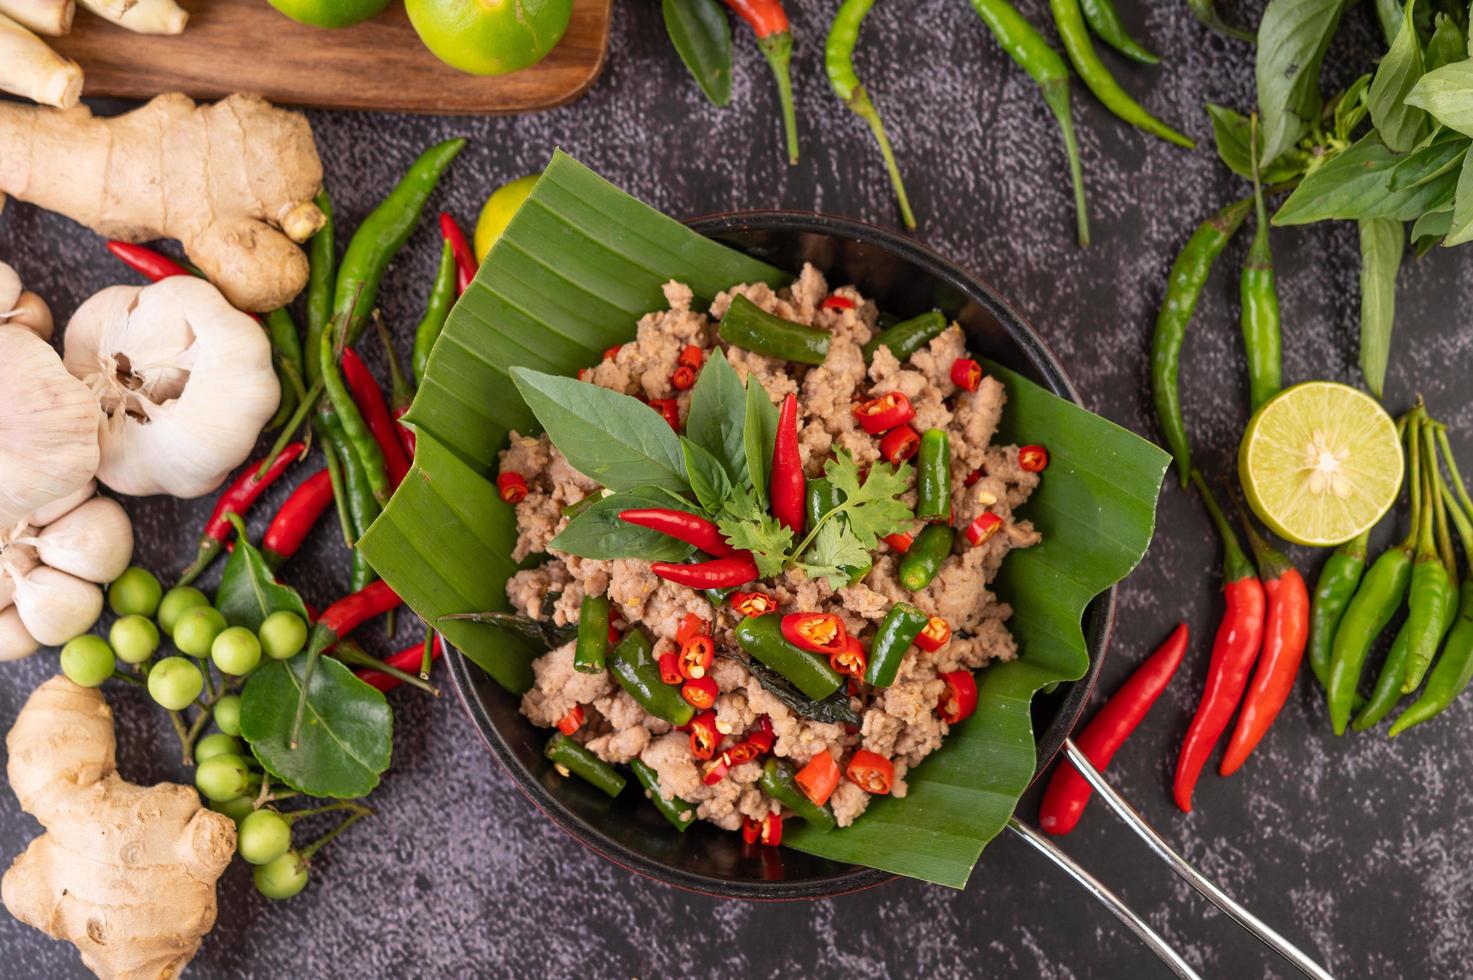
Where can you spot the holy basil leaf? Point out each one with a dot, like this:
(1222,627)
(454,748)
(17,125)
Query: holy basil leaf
(702,37)
(1430,229)
(1292,38)
(707,477)
(1381,245)
(1446,44)
(614,439)
(1460,228)
(1440,154)
(345,740)
(718,414)
(1398,122)
(1350,108)
(760,436)
(248,591)
(1230,130)
(1357,184)
(598,533)
(1447,94)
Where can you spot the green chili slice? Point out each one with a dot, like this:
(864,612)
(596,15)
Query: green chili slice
(636,672)
(898,630)
(593,635)
(922,560)
(777,781)
(563,751)
(762,638)
(933,477)
(680,813)
(747,326)
(907,336)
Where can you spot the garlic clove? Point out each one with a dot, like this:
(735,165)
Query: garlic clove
(31,312)
(16,560)
(93,542)
(15,642)
(55,606)
(10,287)
(64,505)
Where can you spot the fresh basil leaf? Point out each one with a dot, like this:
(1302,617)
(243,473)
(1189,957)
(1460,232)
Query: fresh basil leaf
(1398,123)
(1350,108)
(717,419)
(702,37)
(1292,38)
(760,436)
(1381,244)
(598,532)
(611,438)
(1356,184)
(707,477)
(544,632)
(1231,132)
(1430,229)
(345,741)
(834,709)
(248,591)
(1460,229)
(1388,15)
(1447,94)
(1446,45)
(1440,154)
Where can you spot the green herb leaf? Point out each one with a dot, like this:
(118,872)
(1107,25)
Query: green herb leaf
(598,533)
(1292,38)
(1350,108)
(702,37)
(748,526)
(717,419)
(1357,184)
(1447,94)
(834,554)
(345,741)
(1398,122)
(248,591)
(1381,245)
(707,477)
(760,436)
(613,439)
(1447,44)
(873,508)
(1439,154)
(1460,229)
(1230,130)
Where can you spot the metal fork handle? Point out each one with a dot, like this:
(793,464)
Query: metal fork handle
(1195,878)
(1107,898)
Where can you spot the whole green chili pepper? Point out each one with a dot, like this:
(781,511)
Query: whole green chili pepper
(762,638)
(576,759)
(922,560)
(747,326)
(1260,299)
(363,508)
(1432,587)
(680,813)
(898,630)
(777,781)
(356,433)
(1393,671)
(286,354)
(933,477)
(339,490)
(838,62)
(907,336)
(593,635)
(1206,12)
(1376,600)
(1183,286)
(636,672)
(1338,578)
(442,297)
(1070,21)
(381,235)
(322,272)
(1105,21)
(1028,49)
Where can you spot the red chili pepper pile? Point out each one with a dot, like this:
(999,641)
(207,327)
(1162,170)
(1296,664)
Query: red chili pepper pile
(237,499)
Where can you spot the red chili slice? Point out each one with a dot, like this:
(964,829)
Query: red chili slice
(815,632)
(715,772)
(851,660)
(753,603)
(966,373)
(703,735)
(751,830)
(762,736)
(700,692)
(511,486)
(871,772)
(772,830)
(1033,459)
(572,721)
(740,753)
(691,356)
(837,303)
(614,636)
(900,542)
(972,478)
(691,625)
(819,778)
(900,444)
(696,656)
(934,635)
(960,699)
(670,669)
(884,412)
(984,527)
(613,352)
(669,409)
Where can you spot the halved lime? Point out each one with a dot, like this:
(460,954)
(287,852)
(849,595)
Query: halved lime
(497,212)
(1320,463)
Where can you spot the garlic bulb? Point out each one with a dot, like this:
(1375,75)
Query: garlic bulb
(93,542)
(184,381)
(48,427)
(55,606)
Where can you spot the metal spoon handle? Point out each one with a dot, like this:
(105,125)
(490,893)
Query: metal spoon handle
(1107,898)
(1195,878)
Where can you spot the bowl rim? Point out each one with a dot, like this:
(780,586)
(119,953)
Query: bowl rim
(1099,616)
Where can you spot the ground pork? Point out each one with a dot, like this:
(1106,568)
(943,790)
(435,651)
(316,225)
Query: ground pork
(557,688)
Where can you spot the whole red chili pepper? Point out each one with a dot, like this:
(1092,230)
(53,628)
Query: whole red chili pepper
(1068,793)
(719,573)
(1285,635)
(1233,651)
(237,499)
(290,526)
(883,412)
(681,526)
(370,401)
(788,488)
(336,622)
(815,632)
(900,444)
(465,259)
(146,262)
(410,659)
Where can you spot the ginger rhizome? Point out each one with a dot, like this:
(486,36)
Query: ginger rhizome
(232,181)
(125,873)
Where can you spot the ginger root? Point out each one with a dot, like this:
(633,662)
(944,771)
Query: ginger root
(125,873)
(233,181)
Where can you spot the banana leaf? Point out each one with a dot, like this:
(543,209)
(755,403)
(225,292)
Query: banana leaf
(574,271)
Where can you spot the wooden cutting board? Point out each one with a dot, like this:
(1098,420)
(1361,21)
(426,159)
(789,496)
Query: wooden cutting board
(247,46)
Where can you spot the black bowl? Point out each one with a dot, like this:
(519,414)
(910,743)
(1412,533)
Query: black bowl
(904,278)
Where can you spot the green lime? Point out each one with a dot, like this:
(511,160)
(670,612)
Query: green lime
(1320,463)
(329,13)
(489,37)
(496,213)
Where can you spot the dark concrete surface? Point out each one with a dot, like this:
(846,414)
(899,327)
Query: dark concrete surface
(1356,848)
